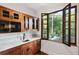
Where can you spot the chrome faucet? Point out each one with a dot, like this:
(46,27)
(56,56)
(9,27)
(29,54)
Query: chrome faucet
(23,36)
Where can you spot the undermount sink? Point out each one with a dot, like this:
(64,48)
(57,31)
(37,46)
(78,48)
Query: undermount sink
(26,40)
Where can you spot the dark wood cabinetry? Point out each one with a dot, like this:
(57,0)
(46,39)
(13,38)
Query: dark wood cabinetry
(25,49)
(6,26)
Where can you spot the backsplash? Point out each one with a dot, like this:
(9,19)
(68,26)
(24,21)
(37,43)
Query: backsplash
(8,38)
(32,34)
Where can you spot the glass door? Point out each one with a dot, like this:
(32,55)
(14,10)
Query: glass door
(55,26)
(44,26)
(73,25)
(66,25)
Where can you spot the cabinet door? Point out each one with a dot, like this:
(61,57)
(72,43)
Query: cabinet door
(26,22)
(66,25)
(4,27)
(37,24)
(44,27)
(15,15)
(31,48)
(15,27)
(17,51)
(7,52)
(4,13)
(30,23)
(37,45)
(25,49)
(12,51)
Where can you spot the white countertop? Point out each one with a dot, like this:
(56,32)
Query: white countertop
(4,47)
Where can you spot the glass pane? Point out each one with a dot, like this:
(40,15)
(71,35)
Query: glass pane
(72,17)
(72,32)
(45,26)
(66,23)
(72,11)
(73,25)
(55,26)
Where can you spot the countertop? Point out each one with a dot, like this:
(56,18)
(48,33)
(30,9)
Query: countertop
(14,44)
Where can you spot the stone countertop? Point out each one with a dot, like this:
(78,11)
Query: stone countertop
(14,44)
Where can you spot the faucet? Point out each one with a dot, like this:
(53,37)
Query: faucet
(23,36)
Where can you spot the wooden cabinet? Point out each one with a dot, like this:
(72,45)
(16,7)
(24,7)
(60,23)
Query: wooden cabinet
(27,22)
(37,46)
(12,51)
(6,26)
(31,23)
(25,49)
(35,23)
(31,47)
(7,14)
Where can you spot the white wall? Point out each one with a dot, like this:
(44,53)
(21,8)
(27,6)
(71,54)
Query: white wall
(22,7)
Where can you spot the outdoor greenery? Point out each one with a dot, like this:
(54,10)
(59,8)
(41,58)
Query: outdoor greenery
(57,26)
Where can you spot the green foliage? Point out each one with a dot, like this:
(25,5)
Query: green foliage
(57,25)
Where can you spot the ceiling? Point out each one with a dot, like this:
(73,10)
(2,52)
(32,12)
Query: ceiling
(45,6)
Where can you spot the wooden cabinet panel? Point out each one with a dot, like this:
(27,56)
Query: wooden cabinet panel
(12,51)
(9,14)
(37,45)
(5,13)
(25,49)
(31,47)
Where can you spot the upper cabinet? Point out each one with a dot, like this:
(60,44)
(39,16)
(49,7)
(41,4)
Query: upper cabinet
(26,22)
(7,27)
(9,15)
(31,23)
(5,13)
(21,21)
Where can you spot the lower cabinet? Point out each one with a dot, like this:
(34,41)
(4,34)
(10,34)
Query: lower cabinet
(12,51)
(25,49)
(32,47)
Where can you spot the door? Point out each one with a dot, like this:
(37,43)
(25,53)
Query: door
(66,25)
(44,26)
